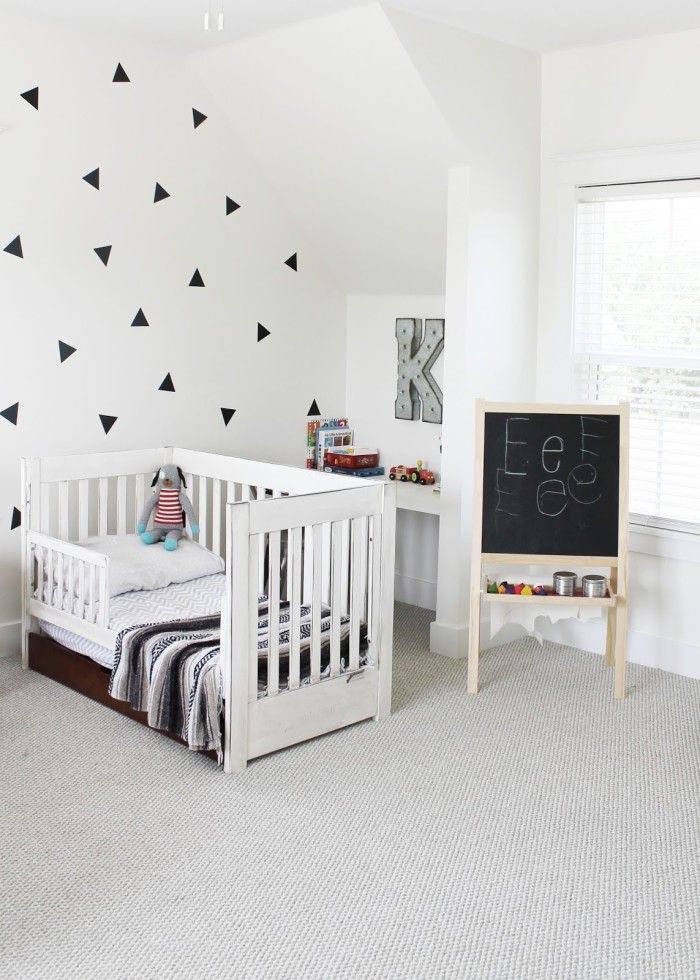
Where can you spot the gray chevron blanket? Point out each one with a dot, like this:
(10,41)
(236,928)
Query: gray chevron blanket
(172,670)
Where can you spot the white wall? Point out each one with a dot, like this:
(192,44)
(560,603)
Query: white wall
(371,386)
(138,133)
(628,111)
(343,126)
(489,95)
(372,360)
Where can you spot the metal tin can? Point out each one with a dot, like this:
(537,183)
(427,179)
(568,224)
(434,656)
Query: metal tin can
(593,586)
(565,583)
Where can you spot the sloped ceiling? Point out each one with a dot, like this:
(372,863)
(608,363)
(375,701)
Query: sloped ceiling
(346,132)
(539,25)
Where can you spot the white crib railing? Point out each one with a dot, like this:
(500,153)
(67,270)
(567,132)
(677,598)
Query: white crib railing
(347,545)
(66,583)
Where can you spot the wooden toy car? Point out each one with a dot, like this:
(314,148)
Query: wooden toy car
(425,477)
(402,473)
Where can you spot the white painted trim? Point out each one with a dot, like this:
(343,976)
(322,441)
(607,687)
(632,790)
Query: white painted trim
(674,157)
(10,640)
(674,656)
(664,543)
(450,641)
(664,653)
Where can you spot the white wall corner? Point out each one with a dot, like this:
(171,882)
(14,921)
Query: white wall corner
(450,641)
(415,591)
(10,640)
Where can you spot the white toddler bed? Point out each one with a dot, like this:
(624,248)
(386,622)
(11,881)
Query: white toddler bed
(307,557)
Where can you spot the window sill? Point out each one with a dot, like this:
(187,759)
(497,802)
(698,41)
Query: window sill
(663,543)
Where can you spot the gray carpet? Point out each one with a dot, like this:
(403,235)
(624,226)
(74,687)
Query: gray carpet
(537,830)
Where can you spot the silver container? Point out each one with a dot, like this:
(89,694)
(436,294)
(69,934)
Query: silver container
(565,583)
(593,586)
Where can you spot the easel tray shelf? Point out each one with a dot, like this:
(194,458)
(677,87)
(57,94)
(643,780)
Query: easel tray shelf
(551,599)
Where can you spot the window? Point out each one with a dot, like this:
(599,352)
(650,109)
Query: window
(636,336)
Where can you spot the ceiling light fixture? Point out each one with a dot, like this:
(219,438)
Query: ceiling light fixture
(219,19)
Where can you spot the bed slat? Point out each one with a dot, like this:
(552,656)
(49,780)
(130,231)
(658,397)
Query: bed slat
(294,592)
(216,518)
(336,580)
(355,594)
(316,600)
(203,515)
(253,576)
(273,575)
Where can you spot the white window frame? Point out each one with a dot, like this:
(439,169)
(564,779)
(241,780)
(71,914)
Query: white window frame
(666,162)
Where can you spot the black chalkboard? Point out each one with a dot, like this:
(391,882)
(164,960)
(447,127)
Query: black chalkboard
(551,483)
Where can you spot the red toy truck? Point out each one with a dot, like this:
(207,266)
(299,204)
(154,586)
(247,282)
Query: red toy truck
(425,477)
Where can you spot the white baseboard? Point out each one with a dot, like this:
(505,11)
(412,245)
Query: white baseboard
(415,591)
(676,656)
(10,640)
(673,655)
(450,641)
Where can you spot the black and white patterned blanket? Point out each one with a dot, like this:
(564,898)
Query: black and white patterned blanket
(172,670)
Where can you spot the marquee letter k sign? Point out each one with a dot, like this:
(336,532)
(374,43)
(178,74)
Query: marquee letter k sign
(415,382)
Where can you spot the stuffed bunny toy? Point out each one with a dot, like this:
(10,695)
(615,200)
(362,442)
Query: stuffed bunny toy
(171,504)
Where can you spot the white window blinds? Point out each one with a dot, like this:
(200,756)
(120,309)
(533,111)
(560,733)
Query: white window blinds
(637,334)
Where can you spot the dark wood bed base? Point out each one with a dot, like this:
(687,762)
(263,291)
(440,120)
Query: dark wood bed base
(83,675)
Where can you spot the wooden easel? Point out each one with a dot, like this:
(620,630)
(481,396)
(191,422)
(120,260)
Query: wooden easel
(615,601)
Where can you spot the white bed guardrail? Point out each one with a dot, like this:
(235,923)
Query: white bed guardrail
(67,582)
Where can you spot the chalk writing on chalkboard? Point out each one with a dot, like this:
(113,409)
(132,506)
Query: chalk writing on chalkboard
(551,484)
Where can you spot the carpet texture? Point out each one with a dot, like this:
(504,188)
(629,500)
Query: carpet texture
(537,830)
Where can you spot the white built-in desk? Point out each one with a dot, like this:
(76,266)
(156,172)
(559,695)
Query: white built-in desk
(414,496)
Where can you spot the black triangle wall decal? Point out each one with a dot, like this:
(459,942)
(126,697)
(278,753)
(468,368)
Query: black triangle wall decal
(166,384)
(120,75)
(160,194)
(93,178)
(314,409)
(16,518)
(231,205)
(11,413)
(292,262)
(197,117)
(140,319)
(262,332)
(31,96)
(15,247)
(65,350)
(196,279)
(228,414)
(103,252)
(108,421)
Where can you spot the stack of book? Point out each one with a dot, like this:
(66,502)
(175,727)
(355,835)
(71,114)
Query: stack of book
(318,433)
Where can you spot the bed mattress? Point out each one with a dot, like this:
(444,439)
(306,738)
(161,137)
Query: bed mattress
(186,600)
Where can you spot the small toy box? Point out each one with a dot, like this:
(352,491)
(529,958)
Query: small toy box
(364,459)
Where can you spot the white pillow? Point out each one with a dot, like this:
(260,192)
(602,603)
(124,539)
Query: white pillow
(135,566)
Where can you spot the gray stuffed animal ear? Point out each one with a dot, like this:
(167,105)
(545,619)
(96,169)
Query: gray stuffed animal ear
(155,478)
(183,481)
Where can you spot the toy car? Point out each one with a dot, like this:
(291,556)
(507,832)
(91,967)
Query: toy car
(402,473)
(425,477)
